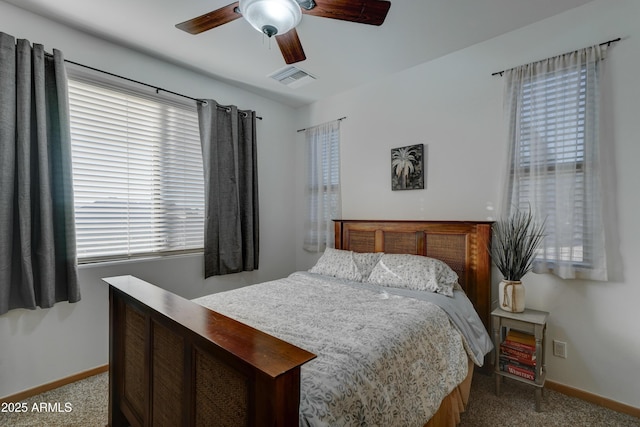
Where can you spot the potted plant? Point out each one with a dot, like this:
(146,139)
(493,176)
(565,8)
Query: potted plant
(513,250)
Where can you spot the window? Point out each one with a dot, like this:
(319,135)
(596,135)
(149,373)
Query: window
(323,185)
(554,160)
(137,173)
(558,125)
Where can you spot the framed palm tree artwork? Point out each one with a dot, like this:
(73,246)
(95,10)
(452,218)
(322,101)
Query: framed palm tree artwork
(407,167)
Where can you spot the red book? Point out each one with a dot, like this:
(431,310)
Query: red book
(518,354)
(518,371)
(520,346)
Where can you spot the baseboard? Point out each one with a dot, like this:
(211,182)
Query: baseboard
(55,384)
(593,398)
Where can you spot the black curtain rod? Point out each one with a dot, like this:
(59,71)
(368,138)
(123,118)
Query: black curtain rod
(158,89)
(601,44)
(338,120)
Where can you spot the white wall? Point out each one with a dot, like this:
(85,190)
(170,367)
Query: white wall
(454,106)
(37,347)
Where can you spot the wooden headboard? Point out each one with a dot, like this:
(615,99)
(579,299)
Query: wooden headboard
(461,244)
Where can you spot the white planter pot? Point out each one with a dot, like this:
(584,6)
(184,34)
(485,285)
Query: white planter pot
(511,296)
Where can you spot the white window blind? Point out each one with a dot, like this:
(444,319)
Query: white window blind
(137,173)
(551,158)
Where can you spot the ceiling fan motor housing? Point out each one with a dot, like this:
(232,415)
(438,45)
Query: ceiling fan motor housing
(307,4)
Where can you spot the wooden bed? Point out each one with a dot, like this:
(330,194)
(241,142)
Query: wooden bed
(176,363)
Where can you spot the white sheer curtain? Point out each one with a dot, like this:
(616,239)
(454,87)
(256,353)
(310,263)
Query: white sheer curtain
(554,159)
(323,185)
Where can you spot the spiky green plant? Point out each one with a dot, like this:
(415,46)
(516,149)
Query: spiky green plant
(514,244)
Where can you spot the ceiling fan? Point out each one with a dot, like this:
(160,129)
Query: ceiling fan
(279,18)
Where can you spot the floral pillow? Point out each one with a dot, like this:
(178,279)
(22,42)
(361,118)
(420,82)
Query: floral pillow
(337,263)
(366,262)
(414,272)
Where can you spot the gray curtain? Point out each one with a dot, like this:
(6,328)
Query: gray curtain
(228,136)
(37,233)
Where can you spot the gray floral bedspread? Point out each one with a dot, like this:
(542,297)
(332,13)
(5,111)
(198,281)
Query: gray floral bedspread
(383,359)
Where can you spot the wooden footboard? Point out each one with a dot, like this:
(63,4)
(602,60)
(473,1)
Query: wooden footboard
(176,363)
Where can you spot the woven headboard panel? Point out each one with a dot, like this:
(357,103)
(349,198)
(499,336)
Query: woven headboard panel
(461,244)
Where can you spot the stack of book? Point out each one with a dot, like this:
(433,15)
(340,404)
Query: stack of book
(518,355)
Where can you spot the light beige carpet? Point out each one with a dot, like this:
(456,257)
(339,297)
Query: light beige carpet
(87,400)
(514,407)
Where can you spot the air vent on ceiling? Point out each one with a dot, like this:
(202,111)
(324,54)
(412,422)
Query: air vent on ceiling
(292,76)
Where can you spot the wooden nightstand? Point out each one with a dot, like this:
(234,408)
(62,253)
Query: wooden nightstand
(533,322)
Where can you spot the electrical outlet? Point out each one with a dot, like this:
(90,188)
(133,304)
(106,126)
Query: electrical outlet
(560,349)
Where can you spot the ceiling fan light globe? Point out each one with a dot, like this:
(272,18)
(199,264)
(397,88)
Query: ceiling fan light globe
(281,15)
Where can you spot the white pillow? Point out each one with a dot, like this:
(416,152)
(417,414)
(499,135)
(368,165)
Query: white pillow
(414,272)
(337,263)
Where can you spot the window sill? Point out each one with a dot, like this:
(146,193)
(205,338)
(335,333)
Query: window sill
(83,264)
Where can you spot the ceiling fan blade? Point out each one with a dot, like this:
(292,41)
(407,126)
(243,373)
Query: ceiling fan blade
(372,12)
(211,20)
(290,46)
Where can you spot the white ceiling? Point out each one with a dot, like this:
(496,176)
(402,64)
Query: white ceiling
(340,54)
